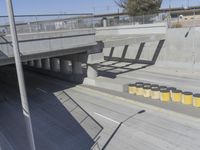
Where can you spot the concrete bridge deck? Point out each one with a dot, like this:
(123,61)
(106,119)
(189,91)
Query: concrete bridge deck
(48,44)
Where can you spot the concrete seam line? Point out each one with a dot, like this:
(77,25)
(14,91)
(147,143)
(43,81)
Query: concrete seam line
(154,108)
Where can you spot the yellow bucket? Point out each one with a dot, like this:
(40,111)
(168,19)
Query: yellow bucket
(147,92)
(171,89)
(187,98)
(155,93)
(139,88)
(165,95)
(131,89)
(196,100)
(176,96)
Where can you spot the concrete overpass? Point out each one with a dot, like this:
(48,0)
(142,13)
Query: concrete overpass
(55,50)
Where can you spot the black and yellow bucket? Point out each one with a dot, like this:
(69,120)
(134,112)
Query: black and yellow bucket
(147,90)
(176,96)
(162,88)
(155,93)
(187,98)
(171,89)
(196,100)
(139,89)
(165,95)
(132,89)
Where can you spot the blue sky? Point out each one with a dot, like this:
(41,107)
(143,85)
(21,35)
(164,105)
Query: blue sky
(179,3)
(60,6)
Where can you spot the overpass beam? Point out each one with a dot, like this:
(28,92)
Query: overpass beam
(55,64)
(46,64)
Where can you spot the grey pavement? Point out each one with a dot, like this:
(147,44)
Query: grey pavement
(56,129)
(54,125)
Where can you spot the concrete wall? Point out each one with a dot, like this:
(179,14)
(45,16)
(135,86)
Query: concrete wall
(179,50)
(157,28)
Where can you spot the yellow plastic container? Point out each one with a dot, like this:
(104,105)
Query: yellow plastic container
(165,95)
(155,93)
(187,98)
(132,89)
(171,89)
(147,92)
(139,90)
(196,100)
(176,96)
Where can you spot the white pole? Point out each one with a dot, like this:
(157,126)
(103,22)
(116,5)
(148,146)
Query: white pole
(20,75)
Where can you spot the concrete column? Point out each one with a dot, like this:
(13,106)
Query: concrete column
(25,63)
(76,67)
(31,63)
(65,66)
(46,64)
(38,63)
(104,22)
(55,64)
(92,71)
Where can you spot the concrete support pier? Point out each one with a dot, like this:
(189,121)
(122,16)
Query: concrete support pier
(76,67)
(65,66)
(55,64)
(46,64)
(38,63)
(31,63)
(92,71)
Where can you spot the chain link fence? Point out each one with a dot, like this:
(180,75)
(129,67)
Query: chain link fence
(122,20)
(46,23)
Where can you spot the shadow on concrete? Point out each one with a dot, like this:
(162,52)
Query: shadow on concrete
(59,123)
(113,67)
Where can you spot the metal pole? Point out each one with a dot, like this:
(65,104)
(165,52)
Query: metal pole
(20,75)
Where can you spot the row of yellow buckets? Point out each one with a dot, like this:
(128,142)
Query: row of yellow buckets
(164,94)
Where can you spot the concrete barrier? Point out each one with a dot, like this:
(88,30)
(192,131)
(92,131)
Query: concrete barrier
(156,28)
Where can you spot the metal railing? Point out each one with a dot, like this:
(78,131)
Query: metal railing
(56,22)
(45,23)
(122,20)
